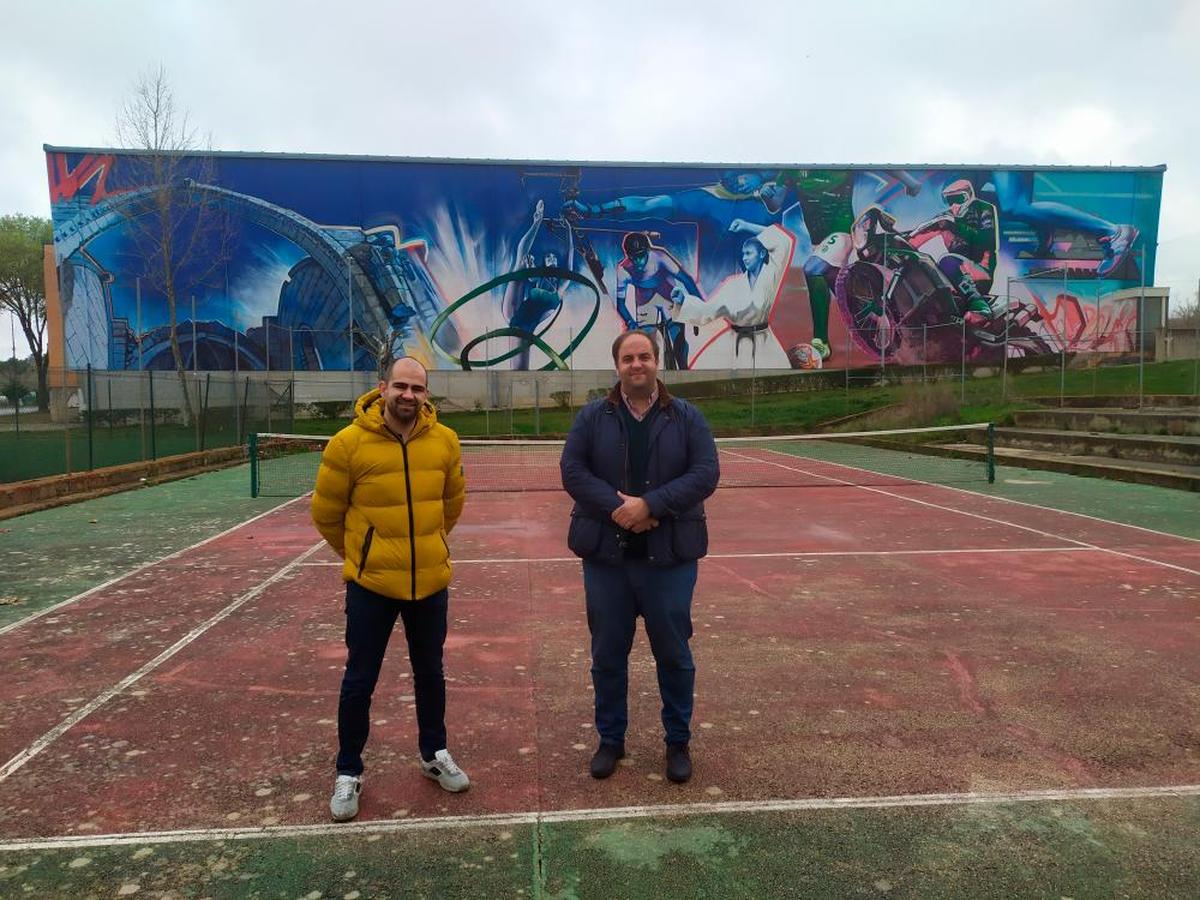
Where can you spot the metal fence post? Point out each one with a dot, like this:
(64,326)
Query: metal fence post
(753,383)
(90,432)
(350,316)
(963,353)
(1062,373)
(194,353)
(1142,332)
(924,352)
(153,428)
(846,368)
(204,408)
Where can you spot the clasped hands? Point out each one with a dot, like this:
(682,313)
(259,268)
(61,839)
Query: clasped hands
(633,514)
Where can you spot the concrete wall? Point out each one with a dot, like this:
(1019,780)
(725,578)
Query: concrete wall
(1176,343)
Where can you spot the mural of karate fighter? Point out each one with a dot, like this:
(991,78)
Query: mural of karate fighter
(653,273)
(746,299)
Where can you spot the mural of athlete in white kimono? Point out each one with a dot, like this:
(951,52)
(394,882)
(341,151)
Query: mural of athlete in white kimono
(746,299)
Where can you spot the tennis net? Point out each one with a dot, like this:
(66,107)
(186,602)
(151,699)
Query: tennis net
(285,465)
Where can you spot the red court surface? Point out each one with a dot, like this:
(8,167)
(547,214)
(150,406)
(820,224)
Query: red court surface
(850,642)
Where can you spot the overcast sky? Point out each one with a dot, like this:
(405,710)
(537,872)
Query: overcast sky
(1015,82)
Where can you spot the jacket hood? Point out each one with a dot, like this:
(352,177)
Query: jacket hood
(368,414)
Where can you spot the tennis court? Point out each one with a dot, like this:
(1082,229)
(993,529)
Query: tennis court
(904,688)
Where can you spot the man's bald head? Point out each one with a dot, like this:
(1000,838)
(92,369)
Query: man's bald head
(404,389)
(406,364)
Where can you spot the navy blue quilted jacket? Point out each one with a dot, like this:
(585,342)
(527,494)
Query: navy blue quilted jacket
(681,471)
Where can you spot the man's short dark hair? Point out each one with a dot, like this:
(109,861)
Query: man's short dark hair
(625,335)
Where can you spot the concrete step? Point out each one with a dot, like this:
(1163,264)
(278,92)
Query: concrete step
(1162,448)
(1186,478)
(1107,419)
(1123,401)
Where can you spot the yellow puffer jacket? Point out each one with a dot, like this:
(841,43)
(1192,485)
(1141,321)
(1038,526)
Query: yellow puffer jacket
(386,507)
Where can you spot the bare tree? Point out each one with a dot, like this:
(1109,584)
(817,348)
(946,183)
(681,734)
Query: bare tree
(182,234)
(23,286)
(1187,313)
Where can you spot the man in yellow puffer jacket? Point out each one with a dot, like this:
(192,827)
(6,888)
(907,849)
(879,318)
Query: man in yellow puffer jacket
(389,490)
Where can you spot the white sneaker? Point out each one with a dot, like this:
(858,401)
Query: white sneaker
(344,802)
(443,769)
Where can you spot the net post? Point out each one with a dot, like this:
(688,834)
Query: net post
(252,445)
(991,453)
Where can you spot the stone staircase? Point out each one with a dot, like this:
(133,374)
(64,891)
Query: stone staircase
(1108,437)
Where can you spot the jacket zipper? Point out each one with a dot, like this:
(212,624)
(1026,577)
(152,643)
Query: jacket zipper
(412,536)
(366,548)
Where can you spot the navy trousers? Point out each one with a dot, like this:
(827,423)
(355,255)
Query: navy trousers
(370,619)
(662,596)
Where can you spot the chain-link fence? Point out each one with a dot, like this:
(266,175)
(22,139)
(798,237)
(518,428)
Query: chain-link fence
(106,418)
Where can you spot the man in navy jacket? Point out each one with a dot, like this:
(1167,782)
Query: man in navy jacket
(639,464)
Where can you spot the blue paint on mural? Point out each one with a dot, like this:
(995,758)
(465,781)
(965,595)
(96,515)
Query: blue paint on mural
(317,259)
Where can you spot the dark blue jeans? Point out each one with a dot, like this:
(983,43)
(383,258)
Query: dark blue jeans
(370,619)
(662,596)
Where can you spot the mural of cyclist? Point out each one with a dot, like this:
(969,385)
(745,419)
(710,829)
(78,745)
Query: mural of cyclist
(653,273)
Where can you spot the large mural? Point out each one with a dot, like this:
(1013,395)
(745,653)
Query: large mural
(322,263)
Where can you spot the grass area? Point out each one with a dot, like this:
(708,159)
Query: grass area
(778,405)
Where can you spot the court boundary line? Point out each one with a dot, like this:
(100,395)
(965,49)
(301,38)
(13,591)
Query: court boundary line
(963,512)
(12,626)
(781,554)
(34,749)
(597,814)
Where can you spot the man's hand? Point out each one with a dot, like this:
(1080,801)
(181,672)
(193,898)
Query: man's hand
(632,512)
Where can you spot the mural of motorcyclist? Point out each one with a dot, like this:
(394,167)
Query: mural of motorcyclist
(970,231)
(893,294)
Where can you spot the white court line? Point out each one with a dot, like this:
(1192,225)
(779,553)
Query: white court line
(146,565)
(782,554)
(84,711)
(391,826)
(963,512)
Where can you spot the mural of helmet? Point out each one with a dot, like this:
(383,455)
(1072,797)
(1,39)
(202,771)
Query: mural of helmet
(958,195)
(635,243)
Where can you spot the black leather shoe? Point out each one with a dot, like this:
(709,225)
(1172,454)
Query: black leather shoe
(679,763)
(604,760)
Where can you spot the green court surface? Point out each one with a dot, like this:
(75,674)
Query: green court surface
(49,556)
(1054,849)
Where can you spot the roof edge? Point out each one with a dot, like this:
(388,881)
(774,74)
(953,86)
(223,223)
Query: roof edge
(435,160)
